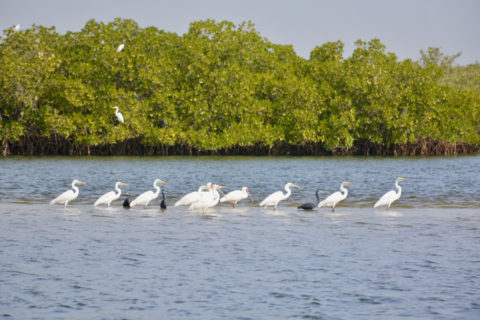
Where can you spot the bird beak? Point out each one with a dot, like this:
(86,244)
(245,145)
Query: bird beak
(81,182)
(295,186)
(161,181)
(349,184)
(222,187)
(403,179)
(123,184)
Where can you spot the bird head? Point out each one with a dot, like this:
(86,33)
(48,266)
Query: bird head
(78,181)
(348,184)
(293,185)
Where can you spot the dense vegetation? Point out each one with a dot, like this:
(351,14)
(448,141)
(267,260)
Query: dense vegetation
(223,89)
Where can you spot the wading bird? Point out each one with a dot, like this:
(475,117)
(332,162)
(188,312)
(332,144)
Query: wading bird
(16,27)
(208,201)
(118,114)
(147,196)
(235,196)
(163,204)
(273,199)
(311,205)
(126,203)
(111,196)
(68,195)
(388,198)
(335,197)
(120,47)
(192,197)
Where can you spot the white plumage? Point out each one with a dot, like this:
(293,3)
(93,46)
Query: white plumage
(194,196)
(235,196)
(16,27)
(120,47)
(119,115)
(336,197)
(391,196)
(111,196)
(68,195)
(147,196)
(208,201)
(273,199)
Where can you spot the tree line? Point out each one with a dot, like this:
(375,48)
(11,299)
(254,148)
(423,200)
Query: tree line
(222,88)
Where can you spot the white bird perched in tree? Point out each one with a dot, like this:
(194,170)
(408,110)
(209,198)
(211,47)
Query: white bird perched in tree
(147,196)
(208,201)
(235,196)
(68,195)
(120,47)
(192,197)
(16,27)
(335,197)
(388,198)
(118,114)
(111,196)
(273,199)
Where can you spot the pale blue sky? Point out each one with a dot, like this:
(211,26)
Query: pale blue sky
(404,26)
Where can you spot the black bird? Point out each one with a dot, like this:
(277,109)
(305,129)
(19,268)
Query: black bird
(163,204)
(126,203)
(311,205)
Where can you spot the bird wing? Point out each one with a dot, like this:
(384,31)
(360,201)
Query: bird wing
(386,199)
(104,199)
(233,196)
(334,197)
(272,198)
(188,199)
(67,195)
(143,198)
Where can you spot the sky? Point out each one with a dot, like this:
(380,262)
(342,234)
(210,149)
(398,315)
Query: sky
(404,26)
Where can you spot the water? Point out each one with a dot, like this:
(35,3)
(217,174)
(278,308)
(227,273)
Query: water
(419,260)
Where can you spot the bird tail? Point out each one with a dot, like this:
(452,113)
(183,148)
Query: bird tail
(377,204)
(53,201)
(222,199)
(321,204)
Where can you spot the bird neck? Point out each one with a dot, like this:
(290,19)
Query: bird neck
(289,192)
(119,191)
(398,187)
(75,188)
(344,190)
(318,198)
(158,189)
(163,195)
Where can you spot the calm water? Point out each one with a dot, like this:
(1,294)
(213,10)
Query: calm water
(419,260)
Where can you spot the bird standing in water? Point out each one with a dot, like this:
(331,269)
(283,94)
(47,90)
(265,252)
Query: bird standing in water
(311,205)
(336,197)
(163,204)
(391,196)
(68,195)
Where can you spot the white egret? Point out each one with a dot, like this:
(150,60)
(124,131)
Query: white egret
(147,196)
(235,196)
(335,197)
(120,47)
(111,196)
(68,195)
(118,114)
(16,27)
(388,198)
(192,197)
(208,201)
(273,199)
(311,205)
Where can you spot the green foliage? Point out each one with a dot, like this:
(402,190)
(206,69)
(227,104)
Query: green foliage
(222,86)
